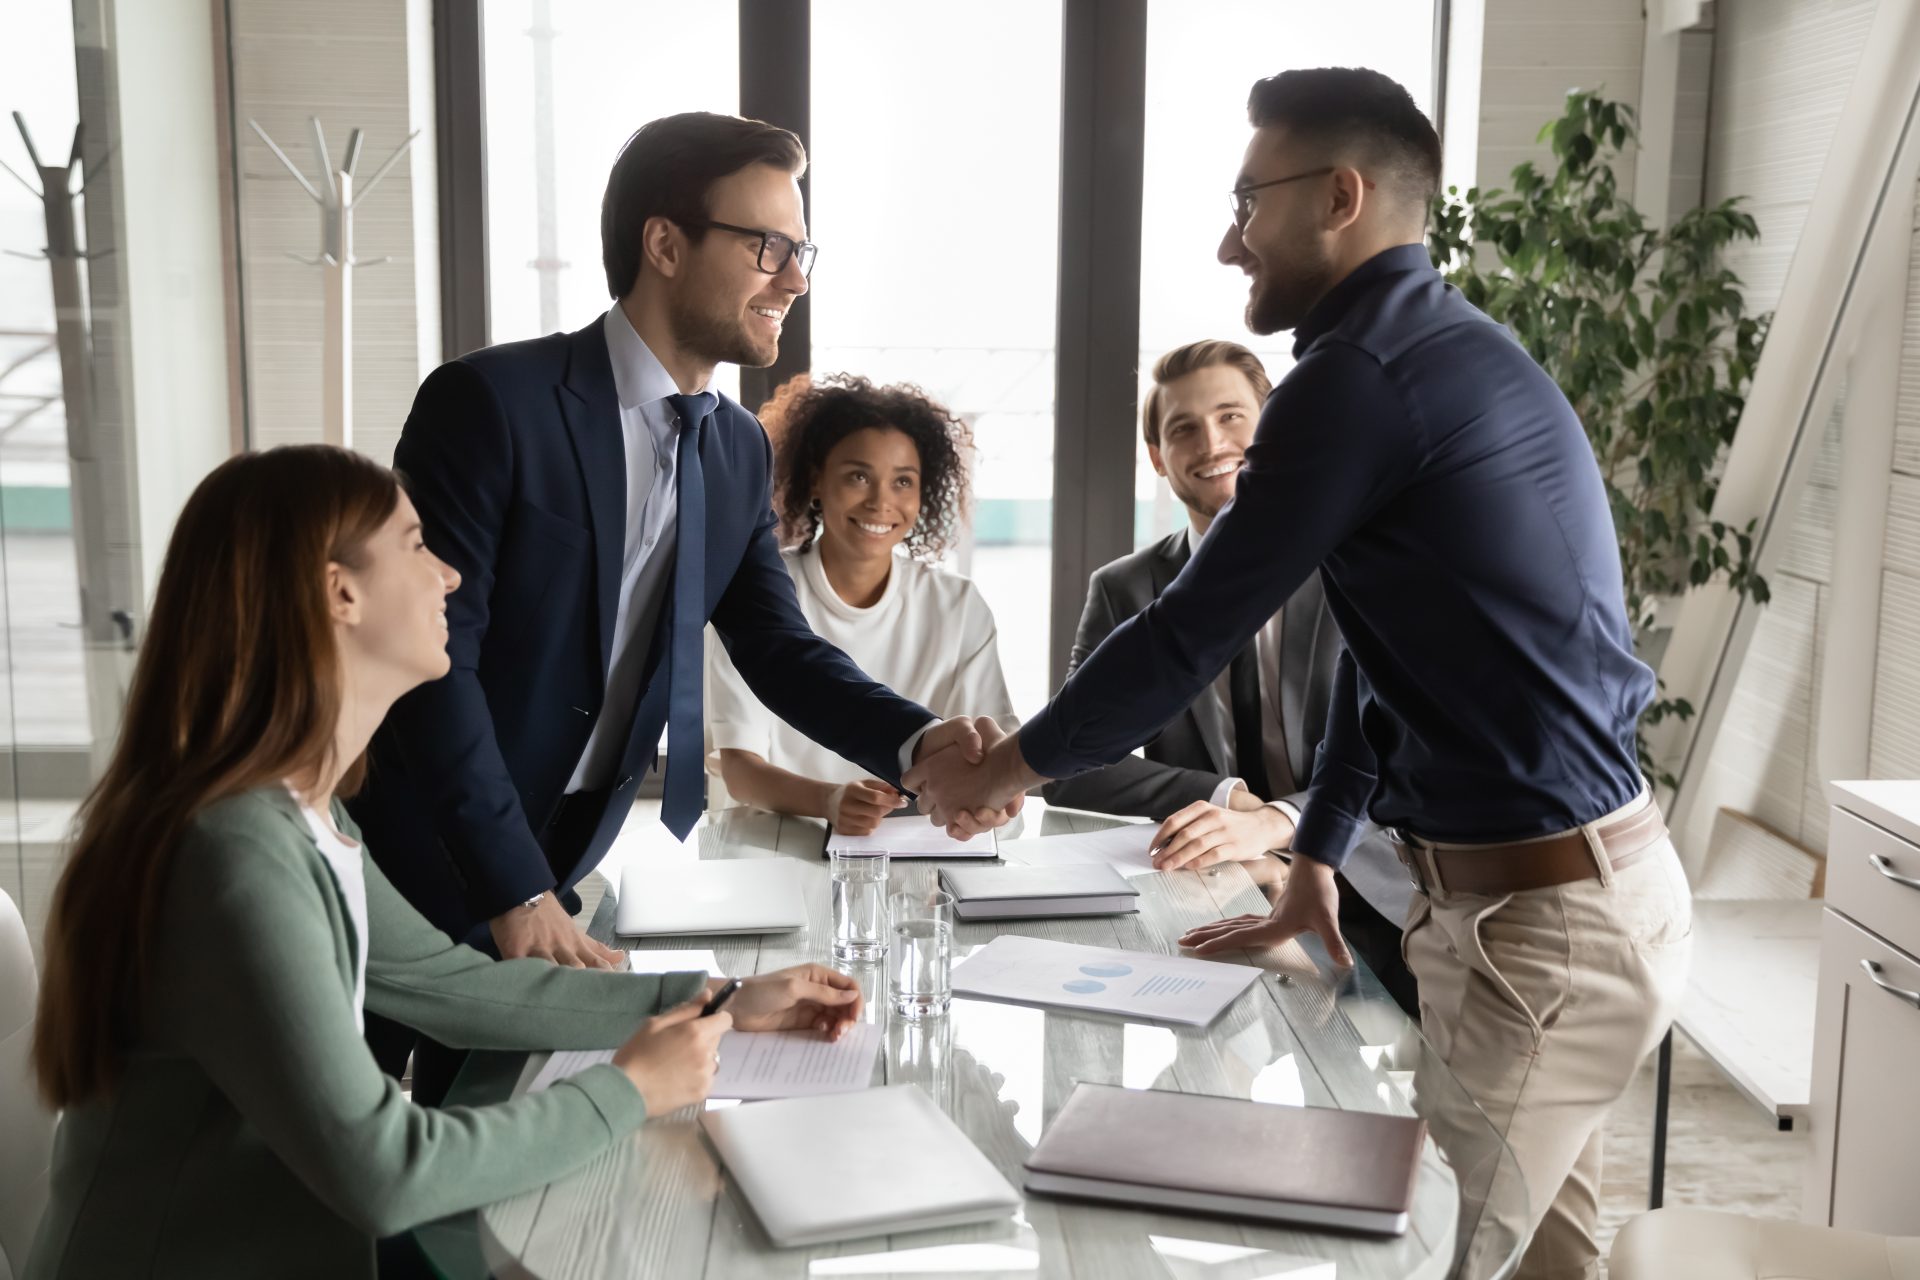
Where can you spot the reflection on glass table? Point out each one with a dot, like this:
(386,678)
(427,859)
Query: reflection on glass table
(1304,1034)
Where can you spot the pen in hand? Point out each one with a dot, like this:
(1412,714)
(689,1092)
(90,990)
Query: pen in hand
(720,997)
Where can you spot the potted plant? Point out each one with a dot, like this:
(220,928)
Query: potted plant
(1647,334)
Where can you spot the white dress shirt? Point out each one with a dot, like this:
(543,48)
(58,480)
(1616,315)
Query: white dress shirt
(650,431)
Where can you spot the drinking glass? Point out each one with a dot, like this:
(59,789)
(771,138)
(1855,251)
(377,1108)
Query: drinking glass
(920,972)
(859,906)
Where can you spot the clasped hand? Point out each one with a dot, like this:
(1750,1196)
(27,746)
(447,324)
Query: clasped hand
(962,776)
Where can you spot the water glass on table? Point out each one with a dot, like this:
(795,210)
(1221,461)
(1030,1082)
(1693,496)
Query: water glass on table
(859,905)
(920,959)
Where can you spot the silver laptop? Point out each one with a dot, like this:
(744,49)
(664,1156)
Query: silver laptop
(744,895)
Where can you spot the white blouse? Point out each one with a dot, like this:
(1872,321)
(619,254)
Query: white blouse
(930,637)
(344,858)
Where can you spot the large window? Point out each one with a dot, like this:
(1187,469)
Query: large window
(567,82)
(1202,58)
(935,140)
(936,177)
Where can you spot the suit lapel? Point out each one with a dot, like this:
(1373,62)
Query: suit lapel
(1210,724)
(591,407)
(1307,645)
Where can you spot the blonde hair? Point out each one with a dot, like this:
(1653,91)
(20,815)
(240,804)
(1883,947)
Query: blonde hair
(1192,358)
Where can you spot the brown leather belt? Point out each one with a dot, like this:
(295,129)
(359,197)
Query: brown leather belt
(1529,864)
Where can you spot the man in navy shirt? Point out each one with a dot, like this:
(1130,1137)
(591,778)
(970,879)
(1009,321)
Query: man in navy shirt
(1485,706)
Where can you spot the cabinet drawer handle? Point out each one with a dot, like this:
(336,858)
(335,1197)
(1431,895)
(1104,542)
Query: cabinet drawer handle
(1873,972)
(1885,868)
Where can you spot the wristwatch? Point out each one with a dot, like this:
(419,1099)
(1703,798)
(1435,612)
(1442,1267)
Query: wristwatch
(535,900)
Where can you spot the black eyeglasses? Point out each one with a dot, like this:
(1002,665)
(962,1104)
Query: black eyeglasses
(1241,197)
(776,250)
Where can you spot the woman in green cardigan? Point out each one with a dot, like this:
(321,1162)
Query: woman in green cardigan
(218,930)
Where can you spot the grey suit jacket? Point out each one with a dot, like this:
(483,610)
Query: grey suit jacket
(1187,761)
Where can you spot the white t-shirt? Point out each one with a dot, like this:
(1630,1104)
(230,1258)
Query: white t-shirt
(930,637)
(351,875)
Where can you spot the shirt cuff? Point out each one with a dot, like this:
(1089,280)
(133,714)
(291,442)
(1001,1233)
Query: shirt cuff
(907,750)
(1326,835)
(1222,792)
(1289,808)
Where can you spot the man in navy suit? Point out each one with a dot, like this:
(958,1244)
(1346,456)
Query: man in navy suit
(601,507)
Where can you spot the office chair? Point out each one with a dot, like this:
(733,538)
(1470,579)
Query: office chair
(26,1128)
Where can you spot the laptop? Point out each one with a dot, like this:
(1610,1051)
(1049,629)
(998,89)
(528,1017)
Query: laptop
(848,1166)
(739,895)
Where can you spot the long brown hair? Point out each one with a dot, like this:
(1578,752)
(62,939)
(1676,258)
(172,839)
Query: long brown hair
(237,686)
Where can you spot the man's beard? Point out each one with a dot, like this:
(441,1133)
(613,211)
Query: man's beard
(716,337)
(1282,299)
(1194,501)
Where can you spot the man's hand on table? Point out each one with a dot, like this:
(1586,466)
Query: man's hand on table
(547,931)
(1309,904)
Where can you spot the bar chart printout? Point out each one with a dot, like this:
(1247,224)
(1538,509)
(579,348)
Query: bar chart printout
(1136,984)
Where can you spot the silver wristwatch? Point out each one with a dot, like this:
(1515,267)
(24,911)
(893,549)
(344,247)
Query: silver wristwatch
(535,900)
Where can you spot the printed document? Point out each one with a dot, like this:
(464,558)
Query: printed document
(760,1064)
(1135,984)
(1123,848)
(673,960)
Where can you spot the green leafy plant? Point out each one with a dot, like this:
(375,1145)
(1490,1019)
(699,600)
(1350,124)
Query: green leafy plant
(1647,333)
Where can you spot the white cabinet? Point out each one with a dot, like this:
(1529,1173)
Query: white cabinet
(1866,1037)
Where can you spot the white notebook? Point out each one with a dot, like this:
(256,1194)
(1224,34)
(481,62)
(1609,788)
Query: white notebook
(843,1166)
(910,835)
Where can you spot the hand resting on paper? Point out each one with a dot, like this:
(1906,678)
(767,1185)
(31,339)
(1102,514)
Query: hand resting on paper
(806,996)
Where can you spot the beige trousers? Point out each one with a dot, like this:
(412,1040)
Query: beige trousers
(1543,1005)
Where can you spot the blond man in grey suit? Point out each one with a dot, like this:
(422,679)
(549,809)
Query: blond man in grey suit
(1226,777)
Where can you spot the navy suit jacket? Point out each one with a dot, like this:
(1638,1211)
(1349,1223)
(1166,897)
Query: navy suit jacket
(515,458)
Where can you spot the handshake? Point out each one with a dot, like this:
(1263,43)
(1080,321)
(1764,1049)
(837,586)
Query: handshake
(969,775)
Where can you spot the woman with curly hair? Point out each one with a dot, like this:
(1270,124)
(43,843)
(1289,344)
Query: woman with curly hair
(870,483)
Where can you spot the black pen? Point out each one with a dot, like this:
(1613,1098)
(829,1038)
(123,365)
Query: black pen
(720,997)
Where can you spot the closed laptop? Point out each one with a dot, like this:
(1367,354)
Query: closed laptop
(846,1165)
(1306,1166)
(736,895)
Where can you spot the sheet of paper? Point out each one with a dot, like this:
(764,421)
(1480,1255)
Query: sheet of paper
(1124,848)
(910,835)
(667,960)
(1066,975)
(760,1064)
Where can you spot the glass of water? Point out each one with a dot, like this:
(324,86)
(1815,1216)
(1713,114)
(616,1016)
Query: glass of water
(920,966)
(859,906)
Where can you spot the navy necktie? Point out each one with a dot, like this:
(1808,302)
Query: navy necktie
(686,736)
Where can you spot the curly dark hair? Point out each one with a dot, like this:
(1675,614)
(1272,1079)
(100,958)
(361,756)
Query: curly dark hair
(807,418)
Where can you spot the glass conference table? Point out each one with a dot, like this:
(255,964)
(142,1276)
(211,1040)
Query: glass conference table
(660,1205)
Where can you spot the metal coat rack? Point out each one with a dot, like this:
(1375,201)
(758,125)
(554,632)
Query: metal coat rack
(337,200)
